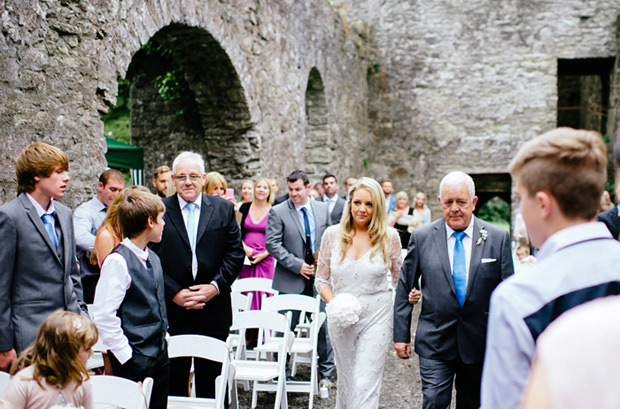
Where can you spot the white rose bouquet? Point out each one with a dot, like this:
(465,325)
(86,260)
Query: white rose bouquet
(343,310)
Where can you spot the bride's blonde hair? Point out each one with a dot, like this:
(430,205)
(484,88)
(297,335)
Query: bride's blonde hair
(377,228)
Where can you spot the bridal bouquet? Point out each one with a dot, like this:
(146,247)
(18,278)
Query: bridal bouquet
(343,310)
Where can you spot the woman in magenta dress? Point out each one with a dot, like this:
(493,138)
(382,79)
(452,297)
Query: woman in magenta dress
(253,224)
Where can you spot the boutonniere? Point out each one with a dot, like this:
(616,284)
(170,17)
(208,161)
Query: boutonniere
(483,236)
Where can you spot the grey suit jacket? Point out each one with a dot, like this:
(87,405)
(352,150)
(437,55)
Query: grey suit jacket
(338,208)
(33,281)
(284,239)
(445,330)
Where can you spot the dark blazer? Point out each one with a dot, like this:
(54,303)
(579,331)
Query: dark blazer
(611,220)
(445,330)
(34,280)
(336,214)
(220,258)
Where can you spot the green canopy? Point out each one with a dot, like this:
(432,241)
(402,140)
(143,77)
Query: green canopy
(123,156)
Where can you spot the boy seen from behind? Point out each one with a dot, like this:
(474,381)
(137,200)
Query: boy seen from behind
(559,177)
(129,308)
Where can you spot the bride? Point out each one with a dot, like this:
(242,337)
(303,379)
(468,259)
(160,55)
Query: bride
(354,260)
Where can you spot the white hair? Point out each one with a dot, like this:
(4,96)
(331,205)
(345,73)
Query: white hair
(458,178)
(188,157)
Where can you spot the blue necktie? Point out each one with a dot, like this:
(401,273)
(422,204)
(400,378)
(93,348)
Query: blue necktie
(191,224)
(459,267)
(48,221)
(304,212)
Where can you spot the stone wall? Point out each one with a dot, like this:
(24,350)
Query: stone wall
(61,61)
(461,84)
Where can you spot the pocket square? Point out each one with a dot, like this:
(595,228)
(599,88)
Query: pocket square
(488,260)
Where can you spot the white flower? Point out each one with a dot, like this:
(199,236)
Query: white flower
(483,236)
(343,310)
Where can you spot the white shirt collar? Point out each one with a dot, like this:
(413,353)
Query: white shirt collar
(98,204)
(40,211)
(182,202)
(307,206)
(469,231)
(573,235)
(142,254)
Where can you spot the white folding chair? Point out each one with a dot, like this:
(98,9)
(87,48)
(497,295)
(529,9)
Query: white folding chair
(5,379)
(121,392)
(200,346)
(245,285)
(304,348)
(265,375)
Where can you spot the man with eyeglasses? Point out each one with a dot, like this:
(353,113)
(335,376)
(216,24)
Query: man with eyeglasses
(201,255)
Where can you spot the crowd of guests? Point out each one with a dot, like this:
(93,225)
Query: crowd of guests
(155,265)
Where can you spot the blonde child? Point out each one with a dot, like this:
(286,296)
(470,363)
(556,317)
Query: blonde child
(52,371)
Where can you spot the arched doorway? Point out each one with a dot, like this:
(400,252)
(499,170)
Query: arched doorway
(318,146)
(185,94)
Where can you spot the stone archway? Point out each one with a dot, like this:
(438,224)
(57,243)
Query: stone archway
(318,146)
(186,95)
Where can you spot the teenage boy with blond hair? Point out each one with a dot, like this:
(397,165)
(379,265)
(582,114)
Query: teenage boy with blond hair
(129,309)
(559,177)
(38,271)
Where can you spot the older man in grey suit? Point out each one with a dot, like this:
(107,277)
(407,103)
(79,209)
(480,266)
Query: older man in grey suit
(38,270)
(294,231)
(461,260)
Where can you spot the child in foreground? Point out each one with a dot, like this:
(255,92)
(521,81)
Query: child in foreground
(52,372)
(129,308)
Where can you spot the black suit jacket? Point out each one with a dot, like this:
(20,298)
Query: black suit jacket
(220,258)
(611,220)
(445,330)
(336,214)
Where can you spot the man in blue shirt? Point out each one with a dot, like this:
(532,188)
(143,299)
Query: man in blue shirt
(559,177)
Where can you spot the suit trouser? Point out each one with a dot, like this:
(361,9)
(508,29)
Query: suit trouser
(140,367)
(205,373)
(437,377)
(325,351)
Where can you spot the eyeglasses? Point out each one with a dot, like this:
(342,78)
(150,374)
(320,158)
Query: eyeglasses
(183,178)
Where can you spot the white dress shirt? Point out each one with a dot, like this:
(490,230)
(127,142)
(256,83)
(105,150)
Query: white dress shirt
(467,245)
(40,210)
(111,289)
(185,213)
(87,219)
(331,203)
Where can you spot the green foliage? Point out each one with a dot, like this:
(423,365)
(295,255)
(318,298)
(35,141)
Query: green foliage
(495,211)
(116,121)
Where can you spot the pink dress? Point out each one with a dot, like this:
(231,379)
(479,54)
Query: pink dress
(255,238)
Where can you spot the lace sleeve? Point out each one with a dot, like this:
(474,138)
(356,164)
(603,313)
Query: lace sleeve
(323,273)
(396,256)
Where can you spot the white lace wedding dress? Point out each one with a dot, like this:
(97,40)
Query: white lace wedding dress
(361,349)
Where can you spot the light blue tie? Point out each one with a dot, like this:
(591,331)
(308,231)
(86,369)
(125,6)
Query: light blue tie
(459,267)
(48,221)
(191,224)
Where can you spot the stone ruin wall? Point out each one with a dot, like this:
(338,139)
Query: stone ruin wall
(60,62)
(461,84)
(436,85)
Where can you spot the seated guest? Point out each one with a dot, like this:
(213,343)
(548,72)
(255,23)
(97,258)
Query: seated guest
(161,180)
(87,219)
(215,184)
(129,309)
(401,217)
(52,371)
